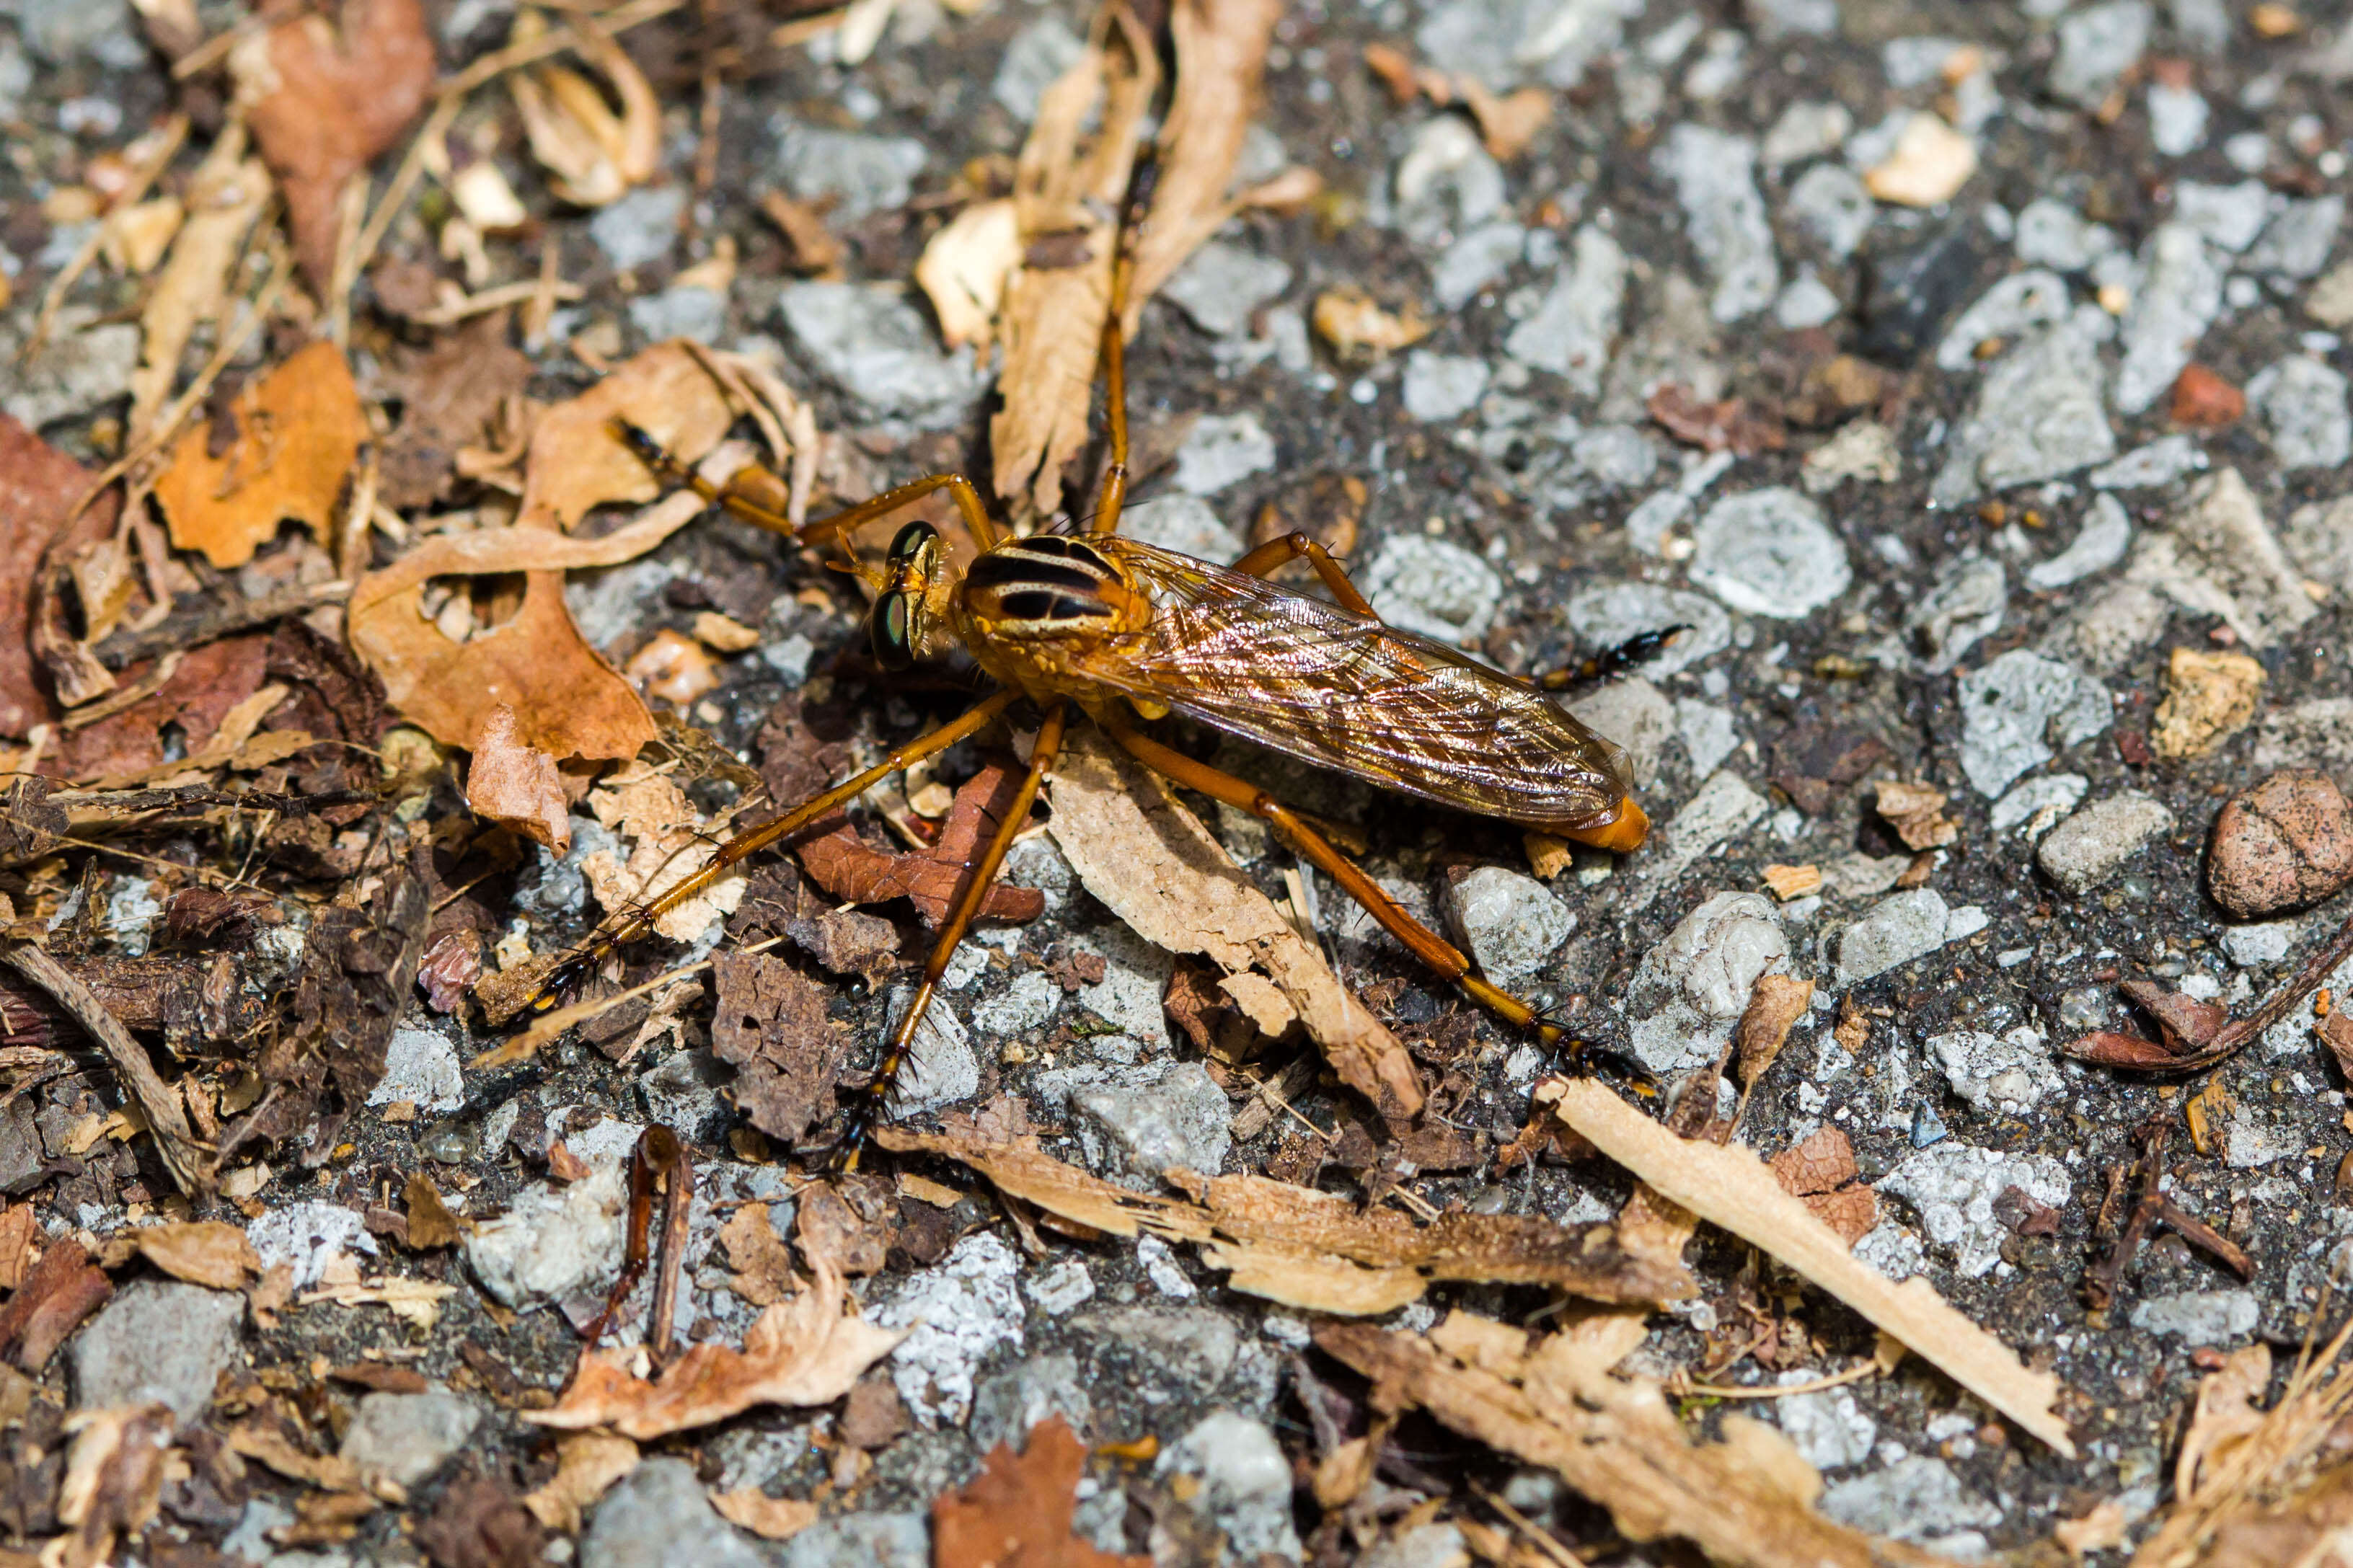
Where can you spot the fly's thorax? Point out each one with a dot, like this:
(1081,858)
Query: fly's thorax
(1051,588)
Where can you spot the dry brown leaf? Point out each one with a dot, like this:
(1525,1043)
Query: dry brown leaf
(1069,183)
(1155,866)
(2104,1528)
(667,844)
(17,1228)
(586,1465)
(1311,1249)
(260,1439)
(574,462)
(847,867)
(62,1290)
(763,1265)
(807,1351)
(1220,68)
(203,1252)
(226,194)
(594,155)
(770,1518)
(431,1224)
(1790,882)
(1746,1501)
(113,1481)
(1730,1187)
(1917,814)
(2227,1415)
(1356,327)
(39,486)
(321,107)
(965,269)
(1775,1003)
(1509,123)
(517,785)
(297,434)
(1017,1512)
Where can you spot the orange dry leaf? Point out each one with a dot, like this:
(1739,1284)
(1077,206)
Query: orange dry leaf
(203,1252)
(291,440)
(517,785)
(593,154)
(1917,812)
(574,462)
(1355,326)
(1017,1512)
(113,1481)
(1507,125)
(803,1352)
(849,869)
(321,107)
(586,1465)
(770,1518)
(38,486)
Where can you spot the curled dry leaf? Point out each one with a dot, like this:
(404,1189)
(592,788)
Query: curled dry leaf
(1356,327)
(62,1290)
(1313,1249)
(771,1026)
(1917,814)
(1775,1003)
(2229,1412)
(1729,426)
(574,463)
(1017,1511)
(1507,125)
(1068,183)
(586,1465)
(38,488)
(965,269)
(1730,1187)
(668,845)
(1151,861)
(294,437)
(593,155)
(1746,1502)
(114,1479)
(807,1351)
(517,785)
(322,106)
(203,1252)
(849,869)
(1820,1172)
(763,1264)
(770,1518)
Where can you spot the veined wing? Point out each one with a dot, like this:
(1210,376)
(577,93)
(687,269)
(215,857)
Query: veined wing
(1310,678)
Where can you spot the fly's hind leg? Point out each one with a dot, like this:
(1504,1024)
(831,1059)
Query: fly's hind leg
(1276,553)
(1424,944)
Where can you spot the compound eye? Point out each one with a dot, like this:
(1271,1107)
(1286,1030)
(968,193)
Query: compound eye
(910,541)
(894,632)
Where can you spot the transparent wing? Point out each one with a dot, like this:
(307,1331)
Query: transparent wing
(1309,679)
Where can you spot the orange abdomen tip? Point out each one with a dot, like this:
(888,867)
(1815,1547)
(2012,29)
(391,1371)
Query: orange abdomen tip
(1622,835)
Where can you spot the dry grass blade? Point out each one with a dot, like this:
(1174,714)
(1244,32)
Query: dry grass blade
(1157,867)
(226,195)
(1068,185)
(1746,1501)
(189,1162)
(1732,1188)
(1316,1250)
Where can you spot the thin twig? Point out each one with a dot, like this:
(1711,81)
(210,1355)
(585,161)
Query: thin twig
(1687,1389)
(545,1030)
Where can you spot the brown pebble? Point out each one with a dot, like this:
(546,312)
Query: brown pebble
(2204,401)
(2286,842)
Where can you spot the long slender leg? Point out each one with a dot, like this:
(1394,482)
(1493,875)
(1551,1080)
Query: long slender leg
(975,888)
(1423,943)
(660,458)
(640,920)
(1115,368)
(1276,553)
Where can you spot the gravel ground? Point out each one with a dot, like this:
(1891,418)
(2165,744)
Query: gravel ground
(1965,556)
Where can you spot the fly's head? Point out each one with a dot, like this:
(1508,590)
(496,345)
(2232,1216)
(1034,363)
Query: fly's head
(909,622)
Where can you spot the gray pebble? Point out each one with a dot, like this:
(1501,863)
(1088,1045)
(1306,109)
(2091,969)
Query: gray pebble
(2254,946)
(1168,1115)
(82,366)
(1222,450)
(1709,735)
(1807,129)
(2227,216)
(700,314)
(405,1437)
(59,32)
(1571,332)
(1222,286)
(862,174)
(2179,295)
(1962,607)
(2319,539)
(861,1541)
(2302,404)
(2299,239)
(2216,555)
(1714,176)
(876,348)
(1439,387)
(420,1066)
(1807,301)
(1953,1187)
(682,1092)
(2316,733)
(1827,1428)
(2093,845)
(2008,1073)
(2203,25)
(1433,587)
(1476,259)
(1690,990)
(2014,711)
(1245,1483)
(159,1340)
(940,1067)
(2198,1317)
(1186,524)
(1028,1003)
(2056,793)
(1446,184)
(658,1513)
(2097,45)
(1503,41)
(1615,456)
(1829,203)
(1769,553)
(2161,462)
(2038,416)
(1917,1498)
(1898,928)
(2099,545)
(641,228)
(1510,923)
(960,1311)
(2051,233)
(551,1242)
(2019,303)
(2177,119)
(1037,55)
(1636,715)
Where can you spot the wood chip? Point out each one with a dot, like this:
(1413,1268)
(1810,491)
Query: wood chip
(1730,1187)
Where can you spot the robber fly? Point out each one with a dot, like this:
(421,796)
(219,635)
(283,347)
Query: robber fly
(1127,633)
